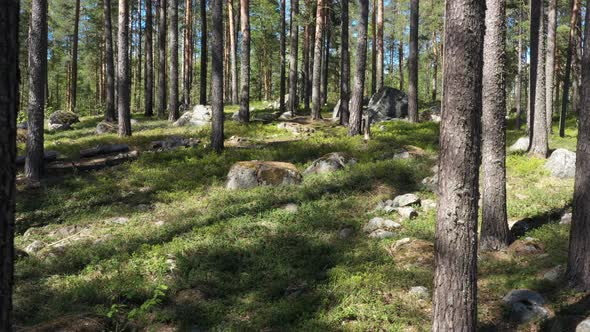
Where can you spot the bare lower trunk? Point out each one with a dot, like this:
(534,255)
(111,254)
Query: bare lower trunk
(306,58)
(123,82)
(162,59)
(374,47)
(217,75)
(74,72)
(149,61)
(317,63)
(413,63)
(344,66)
(173,113)
(204,55)
(188,54)
(518,82)
(401,63)
(455,275)
(110,64)
(534,21)
(244,114)
(495,234)
(356,107)
(550,61)
(232,53)
(283,47)
(293,57)
(37,75)
(539,142)
(379,68)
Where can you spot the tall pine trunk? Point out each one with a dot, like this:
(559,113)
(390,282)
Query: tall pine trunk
(123,79)
(9,99)
(34,163)
(292,107)
(518,82)
(204,55)
(244,114)
(578,266)
(149,61)
(110,63)
(344,65)
(283,48)
(495,234)
(374,47)
(162,58)
(306,56)
(232,50)
(188,53)
(539,141)
(400,61)
(550,61)
(217,75)
(455,275)
(568,65)
(356,107)
(413,63)
(173,112)
(534,28)
(317,63)
(379,68)
(74,71)
(326,54)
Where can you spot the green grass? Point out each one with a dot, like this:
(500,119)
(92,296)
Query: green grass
(257,266)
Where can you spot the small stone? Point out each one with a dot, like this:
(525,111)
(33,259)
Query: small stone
(526,305)
(407,212)
(406,200)
(566,219)
(584,326)
(428,205)
(160,223)
(401,242)
(34,247)
(345,233)
(380,223)
(389,202)
(554,274)
(420,292)
(402,155)
(291,208)
(119,221)
(381,234)
(389,209)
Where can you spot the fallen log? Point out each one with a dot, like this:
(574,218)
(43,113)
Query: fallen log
(104,150)
(91,164)
(49,156)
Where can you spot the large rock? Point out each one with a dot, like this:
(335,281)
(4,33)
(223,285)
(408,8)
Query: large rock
(406,200)
(380,223)
(104,127)
(388,103)
(584,326)
(296,128)
(248,174)
(521,144)
(199,116)
(562,163)
(525,306)
(329,163)
(62,120)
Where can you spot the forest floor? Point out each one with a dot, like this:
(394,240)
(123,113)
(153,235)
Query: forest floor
(159,244)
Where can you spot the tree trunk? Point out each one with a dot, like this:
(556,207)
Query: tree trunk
(244,114)
(110,63)
(455,275)
(344,66)
(379,44)
(374,47)
(401,62)
(37,75)
(578,266)
(74,71)
(232,50)
(495,234)
(173,113)
(9,99)
(356,107)
(534,22)
(204,55)
(149,61)
(162,58)
(519,71)
(539,142)
(568,65)
(139,55)
(123,84)
(217,75)
(293,54)
(550,61)
(283,47)
(312,35)
(413,63)
(188,53)
(435,59)
(317,63)
(326,54)
(306,56)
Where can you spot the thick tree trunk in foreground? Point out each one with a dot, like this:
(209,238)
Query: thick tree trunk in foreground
(244,114)
(495,234)
(74,72)
(187,72)
(173,112)
(292,107)
(518,82)
(356,107)
(344,65)
(232,52)
(123,81)
(568,65)
(204,55)
(162,58)
(550,61)
(539,141)
(37,76)
(413,63)
(317,63)
(578,266)
(149,61)
(534,22)
(379,68)
(217,75)
(110,63)
(9,97)
(455,275)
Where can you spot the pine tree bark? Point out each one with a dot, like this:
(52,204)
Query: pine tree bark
(149,61)
(413,63)
(123,81)
(379,70)
(455,276)
(575,12)
(326,54)
(534,23)
(74,71)
(139,56)
(217,75)
(188,53)
(204,55)
(539,140)
(244,114)
(317,62)
(173,112)
(293,54)
(162,58)
(550,61)
(374,47)
(34,163)
(356,104)
(495,234)
(344,65)
(110,63)
(9,99)
(518,82)
(578,266)
(306,56)
(232,50)
(283,47)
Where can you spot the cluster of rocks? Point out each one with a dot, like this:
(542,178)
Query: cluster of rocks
(62,120)
(526,306)
(380,228)
(330,163)
(198,117)
(296,128)
(174,142)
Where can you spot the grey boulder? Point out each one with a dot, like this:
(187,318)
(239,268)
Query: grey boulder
(521,144)
(330,163)
(388,103)
(562,163)
(525,306)
(249,174)
(199,116)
